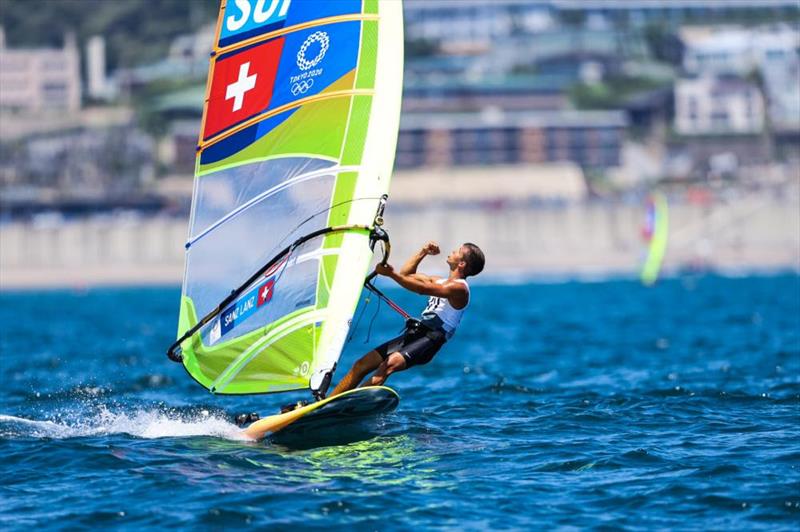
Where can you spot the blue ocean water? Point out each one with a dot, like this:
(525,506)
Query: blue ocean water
(556,405)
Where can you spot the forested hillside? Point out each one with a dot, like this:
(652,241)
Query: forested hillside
(136,31)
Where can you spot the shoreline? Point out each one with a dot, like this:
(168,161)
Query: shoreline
(757,232)
(44,282)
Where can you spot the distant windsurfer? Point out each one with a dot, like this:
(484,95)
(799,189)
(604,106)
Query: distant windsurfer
(422,339)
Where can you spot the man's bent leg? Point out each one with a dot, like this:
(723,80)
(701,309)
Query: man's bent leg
(360,369)
(393,363)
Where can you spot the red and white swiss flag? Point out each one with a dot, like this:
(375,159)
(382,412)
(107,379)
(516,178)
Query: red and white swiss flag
(242,86)
(265,292)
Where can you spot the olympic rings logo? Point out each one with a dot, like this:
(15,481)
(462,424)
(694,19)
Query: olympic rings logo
(301,87)
(324,42)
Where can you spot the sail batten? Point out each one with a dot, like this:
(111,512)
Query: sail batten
(282,109)
(266,194)
(296,149)
(264,343)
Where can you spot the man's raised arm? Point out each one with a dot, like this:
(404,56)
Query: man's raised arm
(455,292)
(410,267)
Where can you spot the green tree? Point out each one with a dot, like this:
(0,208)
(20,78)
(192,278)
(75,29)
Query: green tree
(136,31)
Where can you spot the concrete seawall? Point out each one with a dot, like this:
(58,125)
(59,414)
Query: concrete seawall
(756,231)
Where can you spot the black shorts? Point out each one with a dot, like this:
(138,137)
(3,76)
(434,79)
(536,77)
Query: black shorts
(418,344)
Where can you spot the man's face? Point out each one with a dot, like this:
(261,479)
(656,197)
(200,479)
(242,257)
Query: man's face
(456,256)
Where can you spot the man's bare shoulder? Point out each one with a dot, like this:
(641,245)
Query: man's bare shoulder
(426,277)
(457,293)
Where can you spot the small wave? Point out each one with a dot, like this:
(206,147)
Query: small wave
(147,424)
(501,386)
(578,466)
(641,455)
(675,391)
(784,394)
(713,471)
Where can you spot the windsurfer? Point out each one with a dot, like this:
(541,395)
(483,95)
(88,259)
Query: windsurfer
(421,339)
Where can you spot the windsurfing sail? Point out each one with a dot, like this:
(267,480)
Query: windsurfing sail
(295,154)
(656,233)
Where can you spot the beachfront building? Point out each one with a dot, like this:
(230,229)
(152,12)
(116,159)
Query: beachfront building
(584,54)
(98,86)
(517,93)
(591,139)
(494,188)
(782,87)
(87,162)
(581,54)
(769,101)
(709,49)
(782,93)
(605,13)
(718,105)
(187,59)
(37,79)
(471,23)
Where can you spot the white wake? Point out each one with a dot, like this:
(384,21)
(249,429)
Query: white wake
(146,424)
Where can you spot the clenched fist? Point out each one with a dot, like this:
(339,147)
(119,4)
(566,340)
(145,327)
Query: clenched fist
(431,248)
(384,269)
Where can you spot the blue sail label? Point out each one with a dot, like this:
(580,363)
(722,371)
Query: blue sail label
(247,19)
(245,307)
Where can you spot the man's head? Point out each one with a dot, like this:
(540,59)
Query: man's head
(468,259)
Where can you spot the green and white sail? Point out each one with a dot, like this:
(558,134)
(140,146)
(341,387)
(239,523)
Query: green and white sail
(298,138)
(656,233)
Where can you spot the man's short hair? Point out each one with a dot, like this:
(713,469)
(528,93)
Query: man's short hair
(474,258)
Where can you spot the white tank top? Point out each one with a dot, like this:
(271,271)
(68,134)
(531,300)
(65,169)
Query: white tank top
(440,313)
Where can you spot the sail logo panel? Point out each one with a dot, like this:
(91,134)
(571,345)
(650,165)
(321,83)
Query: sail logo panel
(249,82)
(242,86)
(297,94)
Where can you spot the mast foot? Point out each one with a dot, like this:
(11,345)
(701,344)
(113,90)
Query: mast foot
(246,419)
(293,406)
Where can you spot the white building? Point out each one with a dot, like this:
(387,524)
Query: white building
(36,79)
(782,86)
(193,46)
(609,13)
(718,105)
(474,22)
(738,50)
(187,59)
(482,21)
(97,83)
